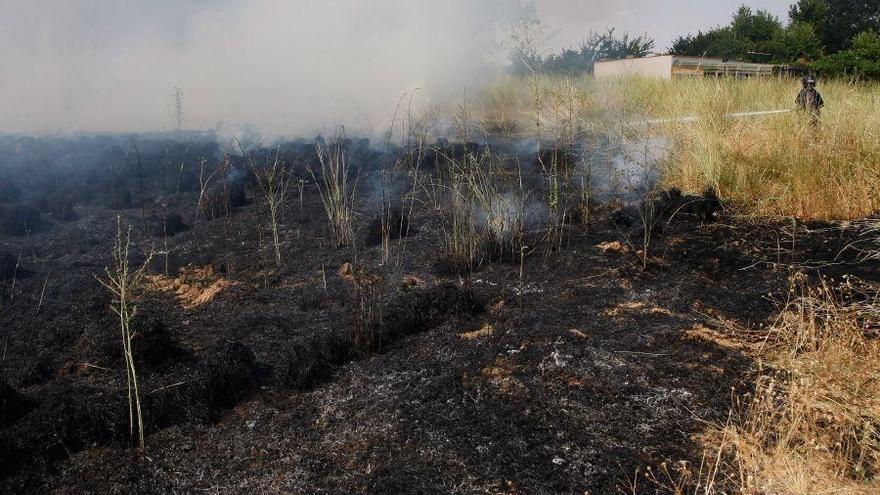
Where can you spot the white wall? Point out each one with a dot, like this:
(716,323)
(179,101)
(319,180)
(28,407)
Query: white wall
(650,66)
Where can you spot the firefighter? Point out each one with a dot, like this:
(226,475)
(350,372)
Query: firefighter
(809,100)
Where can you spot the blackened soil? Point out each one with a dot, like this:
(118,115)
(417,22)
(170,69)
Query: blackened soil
(381,377)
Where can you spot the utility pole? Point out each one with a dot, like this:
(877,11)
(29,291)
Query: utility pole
(178,107)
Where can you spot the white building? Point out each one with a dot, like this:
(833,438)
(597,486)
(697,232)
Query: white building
(666,66)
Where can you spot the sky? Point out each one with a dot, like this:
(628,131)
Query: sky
(288,67)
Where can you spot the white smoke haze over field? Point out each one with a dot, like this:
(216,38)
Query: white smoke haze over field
(286,67)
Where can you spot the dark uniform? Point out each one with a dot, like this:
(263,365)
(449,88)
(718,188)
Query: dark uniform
(809,100)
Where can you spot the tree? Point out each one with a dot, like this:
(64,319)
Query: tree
(812,12)
(750,36)
(847,19)
(569,60)
(724,43)
(597,46)
(799,41)
(719,42)
(863,60)
(755,27)
(527,40)
(688,44)
(816,27)
(697,45)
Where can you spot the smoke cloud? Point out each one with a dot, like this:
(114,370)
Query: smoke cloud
(286,67)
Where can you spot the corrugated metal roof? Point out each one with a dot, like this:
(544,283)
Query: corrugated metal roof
(718,66)
(709,65)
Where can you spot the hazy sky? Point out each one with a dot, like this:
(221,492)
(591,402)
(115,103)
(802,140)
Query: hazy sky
(662,20)
(286,66)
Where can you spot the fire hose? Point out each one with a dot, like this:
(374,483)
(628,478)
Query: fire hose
(694,118)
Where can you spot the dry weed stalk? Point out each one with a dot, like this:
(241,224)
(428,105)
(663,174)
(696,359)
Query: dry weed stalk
(14,277)
(142,196)
(367,314)
(559,124)
(124,281)
(204,182)
(273,181)
(505,211)
(643,184)
(43,293)
(337,194)
(868,244)
(394,221)
(462,240)
(300,185)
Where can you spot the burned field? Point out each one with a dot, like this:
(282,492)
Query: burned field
(441,318)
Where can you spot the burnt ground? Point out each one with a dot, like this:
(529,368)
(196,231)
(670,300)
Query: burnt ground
(566,381)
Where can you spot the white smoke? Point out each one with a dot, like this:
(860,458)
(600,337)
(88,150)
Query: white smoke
(286,67)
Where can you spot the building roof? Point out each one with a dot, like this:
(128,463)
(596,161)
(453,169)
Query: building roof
(708,65)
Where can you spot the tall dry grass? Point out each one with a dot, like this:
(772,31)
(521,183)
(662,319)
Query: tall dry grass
(771,165)
(484,208)
(336,181)
(273,180)
(812,424)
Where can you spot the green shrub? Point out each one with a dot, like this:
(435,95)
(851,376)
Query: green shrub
(862,61)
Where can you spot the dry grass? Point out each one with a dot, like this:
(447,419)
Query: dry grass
(193,286)
(486,330)
(485,209)
(462,241)
(771,165)
(273,180)
(783,166)
(868,245)
(813,422)
(367,315)
(337,189)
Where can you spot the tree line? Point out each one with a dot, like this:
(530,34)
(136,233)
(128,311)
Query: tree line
(831,37)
